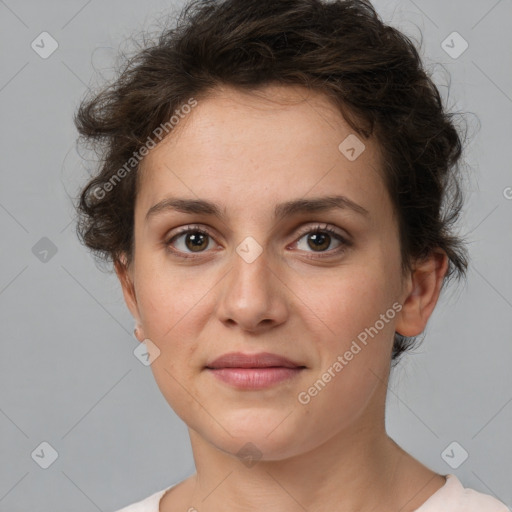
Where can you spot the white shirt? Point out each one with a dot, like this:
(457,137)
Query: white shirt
(452,497)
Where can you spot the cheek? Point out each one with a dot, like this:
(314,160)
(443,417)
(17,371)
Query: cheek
(172,306)
(355,336)
(347,301)
(169,300)
(360,323)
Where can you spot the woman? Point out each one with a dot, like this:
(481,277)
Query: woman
(277,193)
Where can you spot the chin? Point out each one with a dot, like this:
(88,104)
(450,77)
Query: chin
(259,436)
(253,448)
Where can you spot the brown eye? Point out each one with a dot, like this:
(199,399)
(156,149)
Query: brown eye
(189,241)
(320,241)
(196,241)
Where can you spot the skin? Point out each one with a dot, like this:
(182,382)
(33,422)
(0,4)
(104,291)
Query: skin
(248,152)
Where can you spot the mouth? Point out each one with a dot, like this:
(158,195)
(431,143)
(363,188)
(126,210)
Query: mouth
(253,371)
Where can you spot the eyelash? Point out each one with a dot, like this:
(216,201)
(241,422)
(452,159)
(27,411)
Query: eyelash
(311,230)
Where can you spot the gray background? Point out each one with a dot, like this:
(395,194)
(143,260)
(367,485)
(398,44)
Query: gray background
(68,375)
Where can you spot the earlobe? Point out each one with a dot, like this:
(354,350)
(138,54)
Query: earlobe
(424,289)
(137,332)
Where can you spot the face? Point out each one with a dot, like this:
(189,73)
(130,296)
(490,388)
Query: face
(262,274)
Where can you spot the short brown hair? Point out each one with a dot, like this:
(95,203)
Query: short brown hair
(371,71)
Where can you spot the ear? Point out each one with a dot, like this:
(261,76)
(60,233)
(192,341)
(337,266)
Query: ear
(423,289)
(125,276)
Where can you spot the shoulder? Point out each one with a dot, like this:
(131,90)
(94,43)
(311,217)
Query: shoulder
(149,504)
(453,497)
(478,502)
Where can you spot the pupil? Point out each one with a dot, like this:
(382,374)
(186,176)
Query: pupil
(319,240)
(197,243)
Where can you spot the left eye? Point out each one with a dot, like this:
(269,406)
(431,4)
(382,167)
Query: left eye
(319,240)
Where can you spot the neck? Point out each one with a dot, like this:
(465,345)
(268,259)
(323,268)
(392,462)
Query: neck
(335,475)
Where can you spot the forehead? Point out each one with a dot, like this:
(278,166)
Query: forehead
(267,145)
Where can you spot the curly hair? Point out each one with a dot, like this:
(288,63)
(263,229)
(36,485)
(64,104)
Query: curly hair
(371,71)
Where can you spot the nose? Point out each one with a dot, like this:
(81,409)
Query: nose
(253,296)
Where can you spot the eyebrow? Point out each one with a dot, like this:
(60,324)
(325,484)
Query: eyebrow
(281,211)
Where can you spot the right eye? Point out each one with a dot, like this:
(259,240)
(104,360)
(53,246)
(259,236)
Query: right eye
(189,240)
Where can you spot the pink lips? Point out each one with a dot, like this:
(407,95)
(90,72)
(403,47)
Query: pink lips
(253,371)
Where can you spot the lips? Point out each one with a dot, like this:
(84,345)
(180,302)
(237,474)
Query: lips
(259,360)
(253,372)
